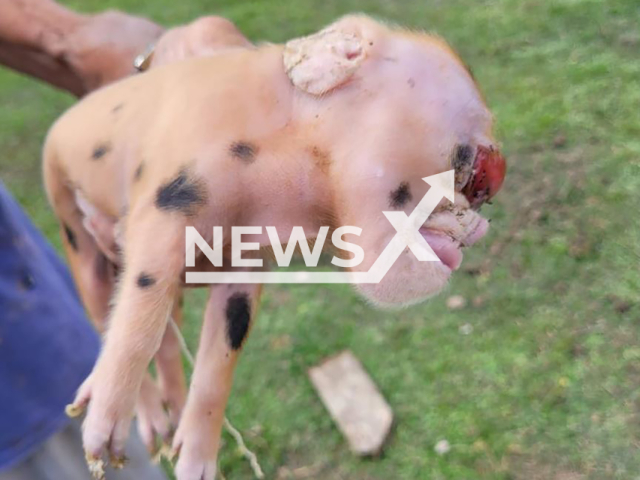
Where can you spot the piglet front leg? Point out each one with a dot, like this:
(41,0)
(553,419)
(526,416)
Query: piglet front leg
(143,304)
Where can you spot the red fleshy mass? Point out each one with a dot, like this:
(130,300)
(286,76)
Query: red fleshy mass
(488,174)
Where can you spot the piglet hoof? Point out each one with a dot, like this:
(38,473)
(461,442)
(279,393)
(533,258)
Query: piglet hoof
(197,457)
(107,423)
(79,405)
(165,451)
(95,465)
(194,468)
(74,411)
(105,433)
(118,462)
(153,422)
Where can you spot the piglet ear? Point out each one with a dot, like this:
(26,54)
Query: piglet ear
(323,61)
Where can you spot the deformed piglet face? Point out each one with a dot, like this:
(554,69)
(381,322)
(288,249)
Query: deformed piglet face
(397,107)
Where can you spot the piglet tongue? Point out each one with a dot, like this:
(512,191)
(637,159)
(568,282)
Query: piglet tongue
(444,247)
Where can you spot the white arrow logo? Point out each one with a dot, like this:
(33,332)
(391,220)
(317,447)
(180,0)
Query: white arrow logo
(407,235)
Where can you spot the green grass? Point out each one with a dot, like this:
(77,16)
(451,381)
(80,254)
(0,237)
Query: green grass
(546,385)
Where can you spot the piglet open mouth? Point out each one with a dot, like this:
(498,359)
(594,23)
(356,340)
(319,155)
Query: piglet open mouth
(446,243)
(456,226)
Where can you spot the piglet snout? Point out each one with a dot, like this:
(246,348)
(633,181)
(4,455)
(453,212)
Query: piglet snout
(489,170)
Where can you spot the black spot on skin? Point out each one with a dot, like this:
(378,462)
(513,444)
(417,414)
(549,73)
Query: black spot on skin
(411,82)
(100,151)
(238,314)
(138,173)
(145,280)
(462,156)
(71,237)
(117,108)
(244,151)
(462,163)
(182,194)
(400,196)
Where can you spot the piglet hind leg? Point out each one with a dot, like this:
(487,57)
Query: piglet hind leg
(149,286)
(226,324)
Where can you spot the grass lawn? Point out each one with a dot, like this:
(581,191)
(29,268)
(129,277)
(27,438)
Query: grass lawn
(546,385)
